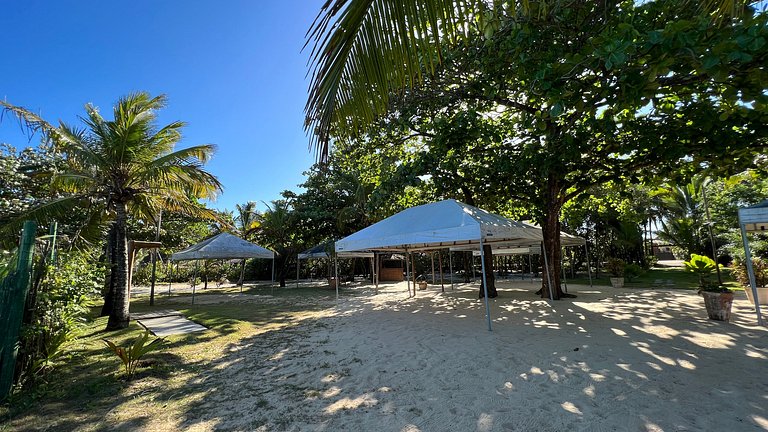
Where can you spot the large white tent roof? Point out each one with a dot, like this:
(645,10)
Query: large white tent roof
(438,225)
(223,246)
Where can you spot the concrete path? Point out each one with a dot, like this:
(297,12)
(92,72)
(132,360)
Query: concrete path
(167,322)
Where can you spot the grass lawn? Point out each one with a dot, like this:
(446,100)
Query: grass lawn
(663,277)
(88,391)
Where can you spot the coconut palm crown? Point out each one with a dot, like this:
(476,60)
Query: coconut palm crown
(123,165)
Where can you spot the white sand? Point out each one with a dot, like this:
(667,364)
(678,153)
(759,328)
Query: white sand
(609,360)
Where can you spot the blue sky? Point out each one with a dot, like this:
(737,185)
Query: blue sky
(234,71)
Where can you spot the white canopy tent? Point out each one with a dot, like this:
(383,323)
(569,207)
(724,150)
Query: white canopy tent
(753,219)
(325,250)
(224,246)
(444,224)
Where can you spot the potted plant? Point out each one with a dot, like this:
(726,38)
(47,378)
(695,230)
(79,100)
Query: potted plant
(615,266)
(422,281)
(717,299)
(760,268)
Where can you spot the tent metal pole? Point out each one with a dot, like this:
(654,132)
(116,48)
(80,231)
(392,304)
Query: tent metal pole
(194,282)
(170,276)
(298,266)
(336,266)
(407,273)
(589,267)
(376,272)
(530,264)
(751,273)
(485,284)
(413,273)
(242,275)
(546,265)
(440,261)
(563,269)
(450,266)
(273,269)
(434,279)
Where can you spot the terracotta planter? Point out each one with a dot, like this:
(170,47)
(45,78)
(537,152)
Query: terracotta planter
(332,282)
(718,305)
(617,282)
(422,285)
(762,295)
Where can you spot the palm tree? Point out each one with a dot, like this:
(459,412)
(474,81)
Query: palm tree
(246,222)
(682,216)
(276,231)
(124,165)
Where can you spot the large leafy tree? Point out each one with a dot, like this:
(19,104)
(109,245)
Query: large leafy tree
(127,164)
(580,93)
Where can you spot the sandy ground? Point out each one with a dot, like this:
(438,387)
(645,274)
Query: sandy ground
(609,360)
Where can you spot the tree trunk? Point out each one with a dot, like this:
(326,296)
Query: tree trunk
(468,267)
(551,233)
(109,277)
(118,317)
(488,259)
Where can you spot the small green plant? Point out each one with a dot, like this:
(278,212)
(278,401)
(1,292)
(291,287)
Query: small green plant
(615,266)
(704,266)
(632,271)
(131,355)
(760,268)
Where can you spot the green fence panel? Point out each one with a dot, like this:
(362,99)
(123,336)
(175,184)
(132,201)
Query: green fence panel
(13,294)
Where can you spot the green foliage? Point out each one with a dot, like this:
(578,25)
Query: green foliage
(703,266)
(60,307)
(615,266)
(760,268)
(632,270)
(131,354)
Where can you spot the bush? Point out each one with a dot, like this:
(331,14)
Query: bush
(649,261)
(632,271)
(760,268)
(704,266)
(615,266)
(61,303)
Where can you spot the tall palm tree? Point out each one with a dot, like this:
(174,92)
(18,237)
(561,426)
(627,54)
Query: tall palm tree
(246,223)
(124,165)
(246,220)
(682,216)
(277,232)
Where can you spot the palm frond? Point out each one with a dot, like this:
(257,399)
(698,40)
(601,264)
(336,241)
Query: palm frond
(363,50)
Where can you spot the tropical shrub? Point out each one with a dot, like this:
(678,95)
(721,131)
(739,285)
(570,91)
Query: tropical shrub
(615,266)
(704,266)
(632,271)
(132,353)
(760,267)
(60,304)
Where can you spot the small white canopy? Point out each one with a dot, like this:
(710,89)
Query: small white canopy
(223,246)
(753,219)
(438,225)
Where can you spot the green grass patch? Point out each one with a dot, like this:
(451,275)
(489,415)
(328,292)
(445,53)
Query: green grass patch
(88,390)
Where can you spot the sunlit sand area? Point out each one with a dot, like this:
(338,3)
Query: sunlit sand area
(608,360)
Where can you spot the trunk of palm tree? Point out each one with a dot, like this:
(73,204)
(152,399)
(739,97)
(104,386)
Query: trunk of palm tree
(109,277)
(118,318)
